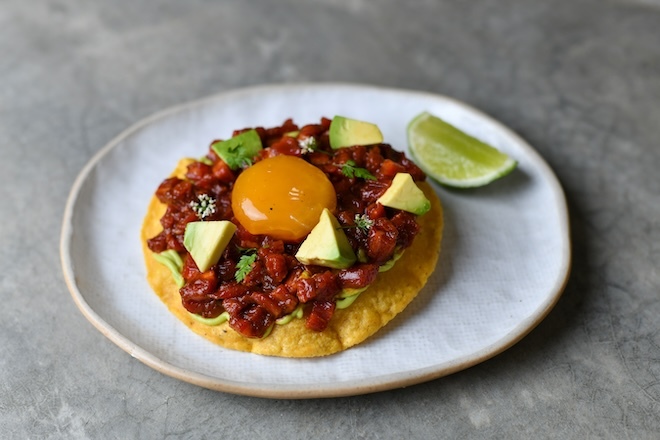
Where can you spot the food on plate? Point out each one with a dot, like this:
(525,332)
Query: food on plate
(327,245)
(346,132)
(305,191)
(404,194)
(277,243)
(453,157)
(205,241)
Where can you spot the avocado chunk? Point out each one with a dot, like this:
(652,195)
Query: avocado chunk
(346,132)
(404,194)
(239,150)
(207,240)
(327,245)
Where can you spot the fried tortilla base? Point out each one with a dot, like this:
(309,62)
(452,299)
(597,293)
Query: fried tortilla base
(383,300)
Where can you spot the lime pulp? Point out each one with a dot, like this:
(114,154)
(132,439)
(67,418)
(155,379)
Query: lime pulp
(453,157)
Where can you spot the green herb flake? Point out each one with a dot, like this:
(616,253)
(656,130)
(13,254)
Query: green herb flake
(204,206)
(363,222)
(244,266)
(349,169)
(235,158)
(308,145)
(238,151)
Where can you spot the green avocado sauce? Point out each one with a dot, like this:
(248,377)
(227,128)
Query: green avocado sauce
(223,317)
(297,313)
(172,260)
(205,160)
(345,302)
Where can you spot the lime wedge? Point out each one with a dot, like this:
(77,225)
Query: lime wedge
(453,157)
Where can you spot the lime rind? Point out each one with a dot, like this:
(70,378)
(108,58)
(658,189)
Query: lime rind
(453,157)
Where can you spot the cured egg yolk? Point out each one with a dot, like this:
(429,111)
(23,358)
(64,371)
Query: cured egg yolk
(282,196)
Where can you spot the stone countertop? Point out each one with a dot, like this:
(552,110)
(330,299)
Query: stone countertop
(579,80)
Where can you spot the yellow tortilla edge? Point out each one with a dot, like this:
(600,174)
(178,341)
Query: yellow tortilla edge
(374,308)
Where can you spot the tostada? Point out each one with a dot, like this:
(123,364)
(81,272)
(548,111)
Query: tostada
(293,241)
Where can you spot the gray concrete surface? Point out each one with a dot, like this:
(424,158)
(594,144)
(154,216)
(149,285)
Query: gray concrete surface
(580,80)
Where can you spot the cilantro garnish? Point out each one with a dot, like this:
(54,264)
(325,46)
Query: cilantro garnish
(238,151)
(244,266)
(349,169)
(308,145)
(204,206)
(311,145)
(235,158)
(363,222)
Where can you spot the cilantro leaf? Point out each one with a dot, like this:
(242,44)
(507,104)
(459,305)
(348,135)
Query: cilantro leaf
(235,158)
(238,151)
(244,266)
(349,169)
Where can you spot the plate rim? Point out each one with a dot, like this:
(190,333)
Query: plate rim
(337,389)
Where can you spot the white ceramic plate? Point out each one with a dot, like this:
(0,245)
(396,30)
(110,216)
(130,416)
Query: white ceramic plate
(504,263)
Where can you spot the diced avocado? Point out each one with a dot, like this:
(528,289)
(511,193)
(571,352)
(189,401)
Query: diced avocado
(239,150)
(346,132)
(207,240)
(327,245)
(404,194)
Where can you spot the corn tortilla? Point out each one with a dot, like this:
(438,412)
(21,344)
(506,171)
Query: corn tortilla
(383,300)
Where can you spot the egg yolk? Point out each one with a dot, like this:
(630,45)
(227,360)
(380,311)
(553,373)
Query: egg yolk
(282,196)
